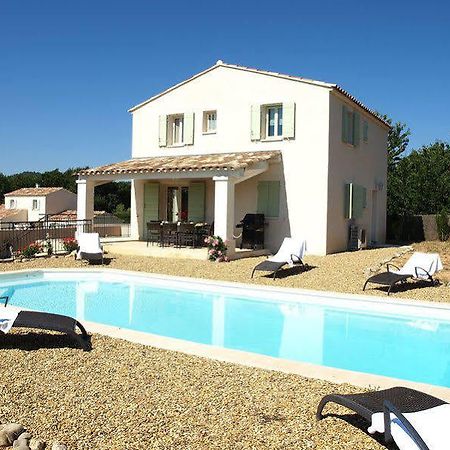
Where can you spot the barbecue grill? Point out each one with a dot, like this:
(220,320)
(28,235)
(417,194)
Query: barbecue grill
(252,231)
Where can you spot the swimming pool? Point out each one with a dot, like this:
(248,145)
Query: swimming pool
(407,341)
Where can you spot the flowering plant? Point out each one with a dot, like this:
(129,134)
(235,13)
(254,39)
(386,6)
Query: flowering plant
(32,249)
(217,248)
(70,244)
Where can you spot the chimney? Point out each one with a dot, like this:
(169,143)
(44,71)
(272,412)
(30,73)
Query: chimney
(37,185)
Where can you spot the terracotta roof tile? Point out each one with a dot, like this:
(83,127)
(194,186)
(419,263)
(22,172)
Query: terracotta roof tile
(71,214)
(36,191)
(185,163)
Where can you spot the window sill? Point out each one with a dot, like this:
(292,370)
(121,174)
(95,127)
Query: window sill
(176,145)
(209,132)
(273,139)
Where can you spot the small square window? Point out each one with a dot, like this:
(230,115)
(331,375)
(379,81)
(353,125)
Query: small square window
(12,204)
(209,121)
(35,206)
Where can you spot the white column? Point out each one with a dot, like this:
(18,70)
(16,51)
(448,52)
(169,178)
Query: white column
(137,209)
(85,200)
(224,211)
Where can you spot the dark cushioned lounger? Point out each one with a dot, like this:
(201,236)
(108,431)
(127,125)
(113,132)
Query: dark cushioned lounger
(54,322)
(398,400)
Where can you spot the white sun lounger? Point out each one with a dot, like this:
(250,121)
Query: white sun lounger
(420,266)
(89,247)
(291,252)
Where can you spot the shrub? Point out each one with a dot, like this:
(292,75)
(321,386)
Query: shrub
(443,228)
(32,249)
(70,244)
(217,249)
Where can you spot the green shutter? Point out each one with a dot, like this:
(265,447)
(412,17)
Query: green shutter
(188,128)
(344,124)
(273,207)
(357,202)
(163,130)
(196,201)
(263,197)
(151,203)
(348,201)
(364,197)
(269,198)
(289,120)
(356,128)
(365,131)
(255,133)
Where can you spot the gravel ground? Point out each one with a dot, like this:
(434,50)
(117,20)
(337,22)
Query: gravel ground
(127,396)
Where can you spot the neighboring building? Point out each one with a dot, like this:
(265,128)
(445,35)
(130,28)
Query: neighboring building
(233,140)
(33,204)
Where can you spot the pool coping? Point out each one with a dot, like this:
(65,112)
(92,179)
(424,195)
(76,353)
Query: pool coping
(249,359)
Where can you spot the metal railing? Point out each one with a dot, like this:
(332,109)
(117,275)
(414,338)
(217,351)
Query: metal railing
(44,233)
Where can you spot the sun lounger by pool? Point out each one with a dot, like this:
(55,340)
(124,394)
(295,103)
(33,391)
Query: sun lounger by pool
(6,253)
(410,418)
(89,247)
(16,318)
(291,252)
(420,266)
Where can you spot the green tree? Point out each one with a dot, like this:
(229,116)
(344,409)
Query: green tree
(398,140)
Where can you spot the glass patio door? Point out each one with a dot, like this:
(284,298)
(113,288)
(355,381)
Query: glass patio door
(177,204)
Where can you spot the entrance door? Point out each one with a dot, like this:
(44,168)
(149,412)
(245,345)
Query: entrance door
(373,233)
(177,203)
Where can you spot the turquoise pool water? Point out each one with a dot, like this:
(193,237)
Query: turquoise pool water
(402,346)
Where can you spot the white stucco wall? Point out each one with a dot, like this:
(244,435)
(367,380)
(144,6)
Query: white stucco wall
(365,165)
(26,202)
(232,92)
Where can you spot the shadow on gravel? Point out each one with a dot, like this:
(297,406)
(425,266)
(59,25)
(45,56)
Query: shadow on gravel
(36,341)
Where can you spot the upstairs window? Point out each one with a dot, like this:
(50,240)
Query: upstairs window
(175,128)
(350,126)
(274,121)
(12,204)
(209,122)
(35,205)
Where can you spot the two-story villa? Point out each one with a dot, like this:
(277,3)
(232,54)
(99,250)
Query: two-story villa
(233,140)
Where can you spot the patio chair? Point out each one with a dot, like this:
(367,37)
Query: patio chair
(186,235)
(89,247)
(154,232)
(410,418)
(169,234)
(420,266)
(44,321)
(291,252)
(6,253)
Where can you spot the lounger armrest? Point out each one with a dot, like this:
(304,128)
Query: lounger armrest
(417,268)
(6,298)
(390,408)
(389,265)
(296,257)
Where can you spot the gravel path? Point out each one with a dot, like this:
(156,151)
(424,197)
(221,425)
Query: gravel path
(128,396)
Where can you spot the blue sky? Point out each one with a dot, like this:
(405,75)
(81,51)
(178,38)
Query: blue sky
(70,70)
